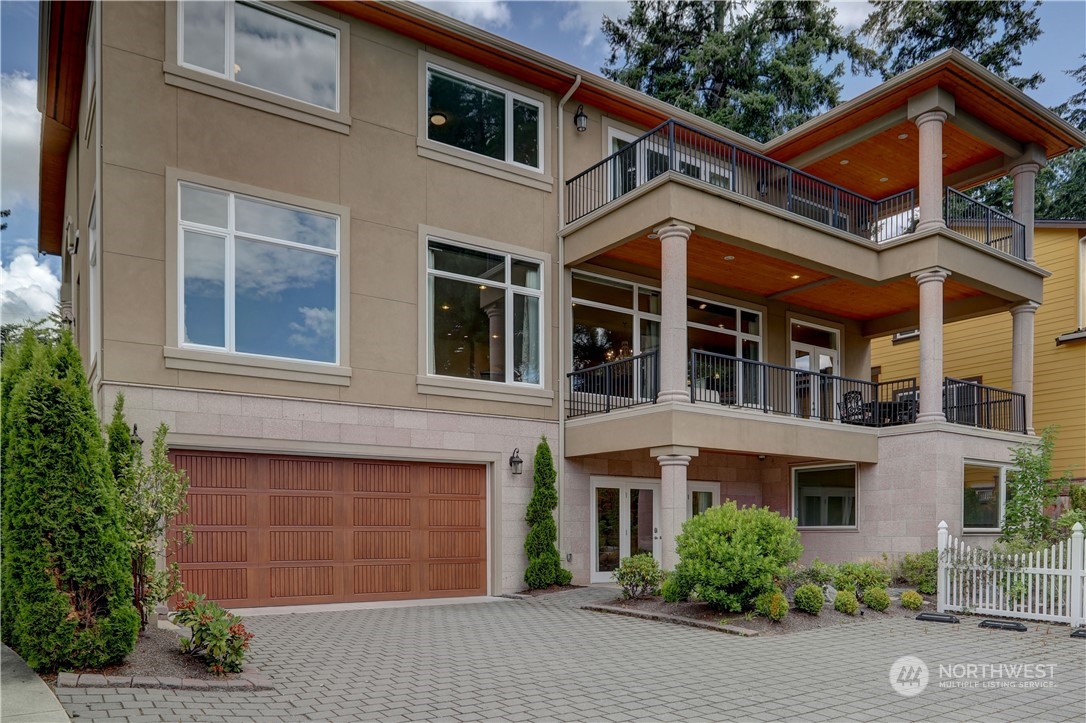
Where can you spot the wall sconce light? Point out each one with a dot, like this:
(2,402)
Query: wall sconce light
(438,119)
(580,119)
(515,462)
(137,440)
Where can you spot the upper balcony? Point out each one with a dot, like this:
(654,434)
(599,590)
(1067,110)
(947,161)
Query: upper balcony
(695,154)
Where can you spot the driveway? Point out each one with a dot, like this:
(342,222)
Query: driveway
(545,659)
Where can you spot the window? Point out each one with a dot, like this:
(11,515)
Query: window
(483,119)
(261,46)
(485,314)
(983,496)
(701,496)
(257,277)
(825,496)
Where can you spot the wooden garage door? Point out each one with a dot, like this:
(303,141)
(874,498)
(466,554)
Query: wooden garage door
(281,530)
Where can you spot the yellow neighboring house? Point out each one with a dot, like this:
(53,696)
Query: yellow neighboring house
(975,349)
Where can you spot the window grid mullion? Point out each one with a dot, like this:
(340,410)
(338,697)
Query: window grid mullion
(508,331)
(288,244)
(468,279)
(229,33)
(230,285)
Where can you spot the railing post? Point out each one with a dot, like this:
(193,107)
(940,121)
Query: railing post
(734,180)
(693,378)
(671,146)
(836,205)
(988,227)
(789,202)
(943,579)
(1078,577)
(607,387)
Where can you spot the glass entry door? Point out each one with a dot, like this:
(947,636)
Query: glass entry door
(814,349)
(625,522)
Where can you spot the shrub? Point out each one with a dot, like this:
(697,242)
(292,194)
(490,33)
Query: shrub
(772,604)
(544,564)
(1077,497)
(911,600)
(1029,491)
(921,569)
(67,567)
(217,635)
(855,577)
(675,588)
(729,556)
(1062,526)
(808,598)
(846,603)
(876,598)
(639,576)
(817,573)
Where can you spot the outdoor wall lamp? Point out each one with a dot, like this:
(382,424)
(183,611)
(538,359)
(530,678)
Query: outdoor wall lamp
(580,119)
(137,440)
(516,462)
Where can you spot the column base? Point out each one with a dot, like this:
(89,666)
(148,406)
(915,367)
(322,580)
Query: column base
(920,418)
(673,395)
(931,225)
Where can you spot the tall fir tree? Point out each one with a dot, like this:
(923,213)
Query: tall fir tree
(65,551)
(544,563)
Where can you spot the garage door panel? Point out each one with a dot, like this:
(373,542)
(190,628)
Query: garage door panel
(393,578)
(301,474)
(220,584)
(455,513)
(216,546)
(302,582)
(454,543)
(229,472)
(297,511)
(382,545)
(450,576)
(456,481)
(216,510)
(382,512)
(377,477)
(301,545)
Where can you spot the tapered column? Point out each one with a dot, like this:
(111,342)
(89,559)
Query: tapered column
(673,353)
(1025,186)
(930,125)
(1022,317)
(673,489)
(931,344)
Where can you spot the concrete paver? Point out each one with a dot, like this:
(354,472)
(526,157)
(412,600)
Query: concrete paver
(545,659)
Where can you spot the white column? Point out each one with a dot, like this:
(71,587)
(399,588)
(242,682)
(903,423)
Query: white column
(1022,318)
(1025,185)
(673,353)
(495,314)
(672,505)
(931,344)
(930,125)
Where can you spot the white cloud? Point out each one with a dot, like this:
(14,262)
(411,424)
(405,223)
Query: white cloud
(851,14)
(29,288)
(317,325)
(20,124)
(487,14)
(586,18)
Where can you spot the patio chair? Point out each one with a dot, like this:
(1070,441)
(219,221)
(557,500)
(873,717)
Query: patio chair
(853,410)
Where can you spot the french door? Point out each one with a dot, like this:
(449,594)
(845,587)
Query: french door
(814,349)
(625,522)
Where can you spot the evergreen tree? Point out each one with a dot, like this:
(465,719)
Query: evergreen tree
(121,453)
(544,563)
(992,32)
(65,551)
(760,69)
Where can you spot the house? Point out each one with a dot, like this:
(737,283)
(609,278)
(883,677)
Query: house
(1059,346)
(360,256)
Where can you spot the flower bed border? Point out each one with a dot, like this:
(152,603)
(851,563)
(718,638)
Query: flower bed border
(248,680)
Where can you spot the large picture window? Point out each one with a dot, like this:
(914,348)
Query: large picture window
(262,46)
(485,313)
(257,277)
(484,119)
(824,496)
(983,496)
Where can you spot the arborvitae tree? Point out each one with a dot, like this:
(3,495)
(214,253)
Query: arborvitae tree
(69,575)
(120,443)
(544,564)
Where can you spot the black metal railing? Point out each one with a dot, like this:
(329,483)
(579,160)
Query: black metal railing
(985,407)
(972,218)
(731,381)
(674,146)
(614,385)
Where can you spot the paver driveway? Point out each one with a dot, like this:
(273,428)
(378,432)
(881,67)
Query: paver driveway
(545,659)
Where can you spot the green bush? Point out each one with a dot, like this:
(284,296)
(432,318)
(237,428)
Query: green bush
(215,634)
(855,577)
(1063,524)
(876,598)
(675,588)
(544,564)
(817,573)
(772,604)
(68,584)
(846,603)
(1077,496)
(911,600)
(921,569)
(639,576)
(808,598)
(729,556)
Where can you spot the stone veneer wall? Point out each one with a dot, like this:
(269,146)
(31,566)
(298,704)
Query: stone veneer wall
(249,423)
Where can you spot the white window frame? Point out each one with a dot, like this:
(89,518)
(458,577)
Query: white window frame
(94,269)
(230,61)
(510,96)
(692,487)
(855,497)
(1004,469)
(510,290)
(230,234)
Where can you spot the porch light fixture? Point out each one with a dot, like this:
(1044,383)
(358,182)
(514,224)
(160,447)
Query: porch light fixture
(137,440)
(438,119)
(844,161)
(515,462)
(580,119)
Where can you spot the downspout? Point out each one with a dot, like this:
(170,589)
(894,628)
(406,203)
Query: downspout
(563,310)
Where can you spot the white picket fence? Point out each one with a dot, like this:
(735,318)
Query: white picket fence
(1048,585)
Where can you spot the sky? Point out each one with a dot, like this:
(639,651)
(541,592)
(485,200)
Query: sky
(565,29)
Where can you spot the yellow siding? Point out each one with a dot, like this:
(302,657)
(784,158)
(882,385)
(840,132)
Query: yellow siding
(982,347)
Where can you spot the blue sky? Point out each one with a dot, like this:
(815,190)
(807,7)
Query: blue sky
(564,29)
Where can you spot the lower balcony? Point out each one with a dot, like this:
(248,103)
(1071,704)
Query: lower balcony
(732,382)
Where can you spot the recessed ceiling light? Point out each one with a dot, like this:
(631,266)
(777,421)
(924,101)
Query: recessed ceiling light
(654,235)
(702,306)
(482,287)
(729,258)
(795,276)
(844,161)
(884,179)
(944,155)
(902,136)
(444,307)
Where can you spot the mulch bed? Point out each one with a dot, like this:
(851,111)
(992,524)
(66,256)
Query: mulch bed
(548,590)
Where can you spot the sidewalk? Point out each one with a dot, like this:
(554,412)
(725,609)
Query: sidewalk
(23,696)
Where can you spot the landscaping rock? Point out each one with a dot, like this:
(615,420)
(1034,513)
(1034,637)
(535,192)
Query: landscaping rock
(829,594)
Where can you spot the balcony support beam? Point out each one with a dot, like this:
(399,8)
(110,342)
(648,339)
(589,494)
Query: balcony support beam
(1022,318)
(1024,172)
(931,344)
(673,487)
(673,355)
(930,110)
